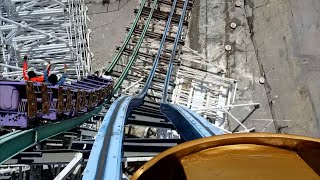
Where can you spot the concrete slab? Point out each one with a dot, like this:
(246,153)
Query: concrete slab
(286,38)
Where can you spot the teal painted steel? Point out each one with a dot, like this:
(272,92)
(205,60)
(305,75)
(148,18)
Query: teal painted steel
(133,56)
(9,134)
(13,143)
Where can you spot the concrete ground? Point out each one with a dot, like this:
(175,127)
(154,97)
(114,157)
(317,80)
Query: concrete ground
(276,40)
(286,35)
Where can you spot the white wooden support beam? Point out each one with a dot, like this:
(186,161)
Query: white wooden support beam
(70,167)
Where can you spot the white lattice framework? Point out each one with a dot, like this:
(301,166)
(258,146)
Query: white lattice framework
(54,30)
(202,87)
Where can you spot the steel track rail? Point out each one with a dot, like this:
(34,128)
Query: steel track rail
(105,158)
(143,93)
(189,124)
(173,53)
(105,153)
(133,57)
(107,148)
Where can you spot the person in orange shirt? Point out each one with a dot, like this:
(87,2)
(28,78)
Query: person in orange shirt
(31,75)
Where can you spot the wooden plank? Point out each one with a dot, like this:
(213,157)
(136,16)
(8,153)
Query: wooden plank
(84,99)
(69,100)
(90,101)
(45,99)
(102,92)
(60,103)
(95,97)
(32,100)
(78,101)
(99,95)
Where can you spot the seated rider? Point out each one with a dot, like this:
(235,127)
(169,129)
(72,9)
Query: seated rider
(97,73)
(53,79)
(107,76)
(30,75)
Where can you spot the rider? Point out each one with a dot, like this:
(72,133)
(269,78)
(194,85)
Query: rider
(105,75)
(53,79)
(30,75)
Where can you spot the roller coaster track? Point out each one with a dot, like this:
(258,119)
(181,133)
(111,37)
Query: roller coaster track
(149,59)
(111,144)
(11,142)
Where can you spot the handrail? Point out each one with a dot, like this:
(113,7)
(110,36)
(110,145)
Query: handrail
(133,57)
(133,26)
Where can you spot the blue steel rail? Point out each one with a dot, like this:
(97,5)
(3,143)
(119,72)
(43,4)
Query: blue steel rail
(118,112)
(189,125)
(106,155)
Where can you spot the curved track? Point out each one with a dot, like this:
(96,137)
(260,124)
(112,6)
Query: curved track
(111,144)
(160,25)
